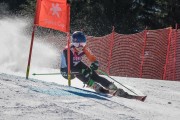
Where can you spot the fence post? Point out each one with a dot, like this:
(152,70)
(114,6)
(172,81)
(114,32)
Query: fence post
(143,53)
(175,45)
(167,54)
(110,53)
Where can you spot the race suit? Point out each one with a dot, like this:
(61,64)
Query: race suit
(77,66)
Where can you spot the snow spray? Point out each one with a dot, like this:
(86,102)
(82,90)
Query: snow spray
(15,44)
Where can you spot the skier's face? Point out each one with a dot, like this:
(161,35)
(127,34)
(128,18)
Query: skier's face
(82,44)
(79,46)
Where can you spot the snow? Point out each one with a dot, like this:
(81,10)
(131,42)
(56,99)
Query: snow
(48,97)
(37,99)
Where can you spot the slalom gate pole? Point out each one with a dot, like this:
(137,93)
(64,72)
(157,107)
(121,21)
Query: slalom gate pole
(68,59)
(46,73)
(53,73)
(116,81)
(30,52)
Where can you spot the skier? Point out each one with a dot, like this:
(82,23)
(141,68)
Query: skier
(88,75)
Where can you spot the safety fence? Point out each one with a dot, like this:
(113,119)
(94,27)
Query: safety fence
(153,54)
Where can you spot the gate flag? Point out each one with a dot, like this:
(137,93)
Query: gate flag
(53,14)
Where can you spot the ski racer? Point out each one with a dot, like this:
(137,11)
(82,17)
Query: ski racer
(88,75)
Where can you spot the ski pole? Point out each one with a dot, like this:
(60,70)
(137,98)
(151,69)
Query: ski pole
(115,80)
(52,73)
(46,73)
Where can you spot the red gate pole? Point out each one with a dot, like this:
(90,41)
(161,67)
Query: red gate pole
(30,52)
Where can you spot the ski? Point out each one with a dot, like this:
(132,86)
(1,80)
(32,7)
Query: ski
(141,98)
(122,93)
(119,92)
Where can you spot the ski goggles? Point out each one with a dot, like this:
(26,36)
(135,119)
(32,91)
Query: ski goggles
(77,45)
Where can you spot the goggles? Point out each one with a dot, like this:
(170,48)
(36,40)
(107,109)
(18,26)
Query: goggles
(77,45)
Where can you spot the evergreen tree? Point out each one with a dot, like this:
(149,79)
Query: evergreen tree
(96,17)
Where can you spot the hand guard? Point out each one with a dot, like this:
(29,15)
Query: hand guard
(94,65)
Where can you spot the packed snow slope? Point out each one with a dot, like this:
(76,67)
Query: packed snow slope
(48,97)
(31,99)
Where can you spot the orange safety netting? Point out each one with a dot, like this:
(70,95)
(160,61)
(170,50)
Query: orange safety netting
(153,54)
(177,60)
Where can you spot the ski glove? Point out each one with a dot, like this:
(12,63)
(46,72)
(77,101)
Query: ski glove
(94,65)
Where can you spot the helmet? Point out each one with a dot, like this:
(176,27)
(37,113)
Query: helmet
(78,37)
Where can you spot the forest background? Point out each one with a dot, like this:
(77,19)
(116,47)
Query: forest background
(96,17)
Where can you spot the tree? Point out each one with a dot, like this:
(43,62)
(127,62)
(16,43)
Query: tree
(96,17)
(14,5)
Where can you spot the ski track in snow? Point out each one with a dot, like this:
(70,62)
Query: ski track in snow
(35,99)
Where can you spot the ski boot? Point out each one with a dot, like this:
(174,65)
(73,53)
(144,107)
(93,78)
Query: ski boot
(112,88)
(122,93)
(97,87)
